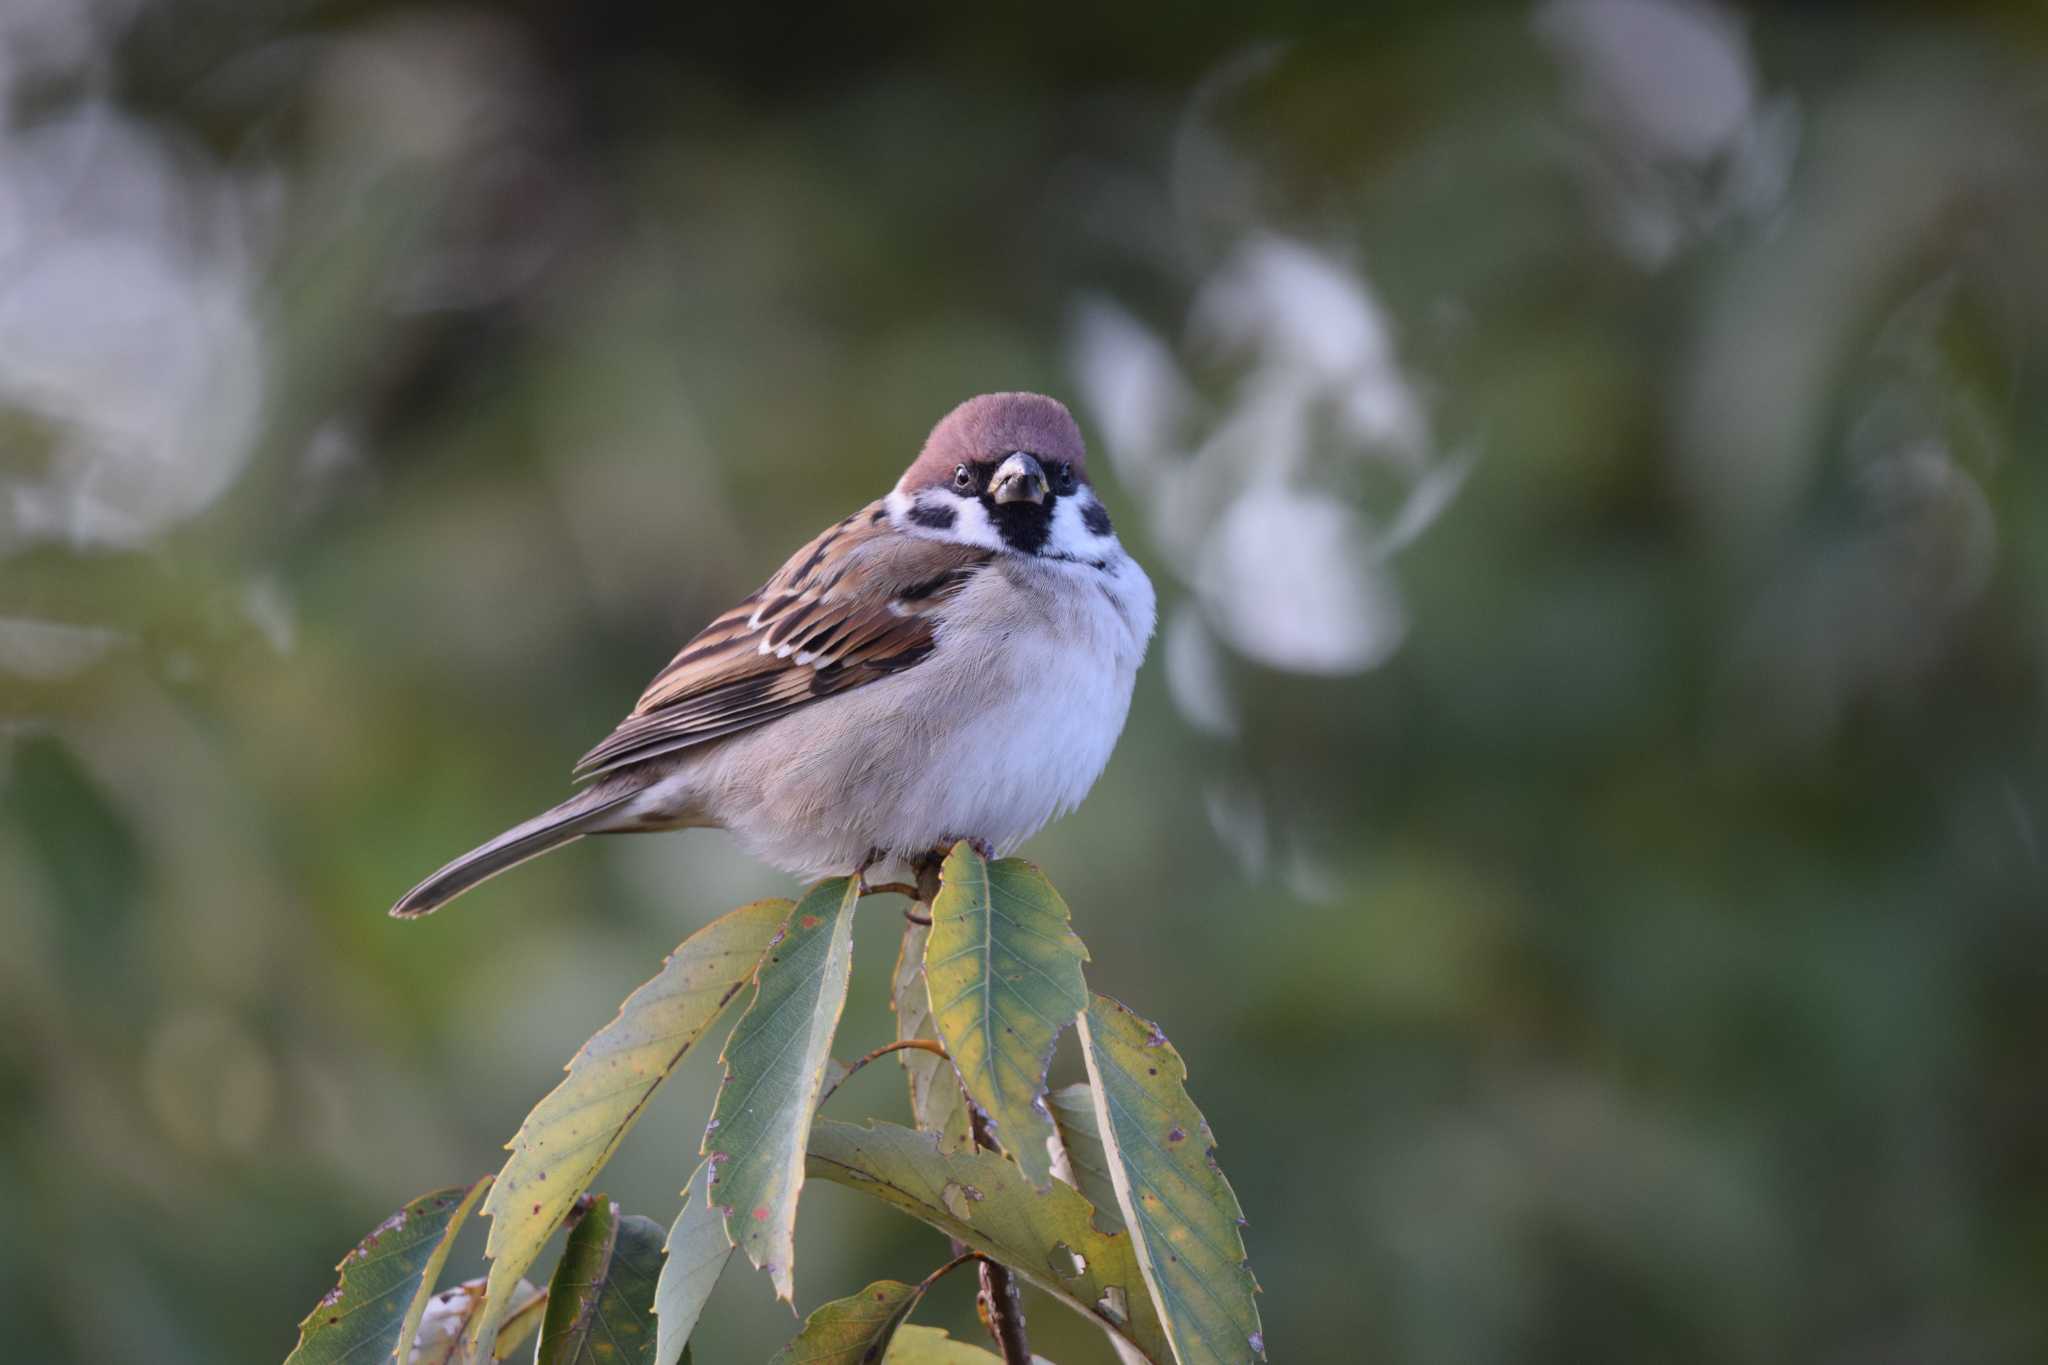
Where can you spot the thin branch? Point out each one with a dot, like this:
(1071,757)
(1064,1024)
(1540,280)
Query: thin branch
(921,1044)
(1003,1309)
(962,1259)
(904,889)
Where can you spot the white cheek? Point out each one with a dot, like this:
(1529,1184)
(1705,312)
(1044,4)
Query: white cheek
(1070,533)
(970,526)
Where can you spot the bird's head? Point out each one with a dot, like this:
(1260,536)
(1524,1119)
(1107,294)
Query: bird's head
(1007,472)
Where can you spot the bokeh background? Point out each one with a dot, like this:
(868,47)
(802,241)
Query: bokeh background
(1582,818)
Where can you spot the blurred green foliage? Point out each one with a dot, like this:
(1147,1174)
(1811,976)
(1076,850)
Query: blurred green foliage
(1615,931)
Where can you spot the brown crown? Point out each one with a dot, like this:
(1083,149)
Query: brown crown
(990,427)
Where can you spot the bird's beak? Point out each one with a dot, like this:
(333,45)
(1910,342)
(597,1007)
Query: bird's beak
(1019,479)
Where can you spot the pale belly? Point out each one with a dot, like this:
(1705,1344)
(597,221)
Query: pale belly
(1004,729)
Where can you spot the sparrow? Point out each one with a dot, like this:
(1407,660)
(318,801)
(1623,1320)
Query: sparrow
(953,661)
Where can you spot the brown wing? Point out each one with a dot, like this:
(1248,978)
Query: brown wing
(854,605)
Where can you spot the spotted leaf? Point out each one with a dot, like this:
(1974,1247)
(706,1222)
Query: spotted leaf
(570,1134)
(775,1069)
(1184,1220)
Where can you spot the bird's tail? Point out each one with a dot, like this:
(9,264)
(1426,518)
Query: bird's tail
(552,828)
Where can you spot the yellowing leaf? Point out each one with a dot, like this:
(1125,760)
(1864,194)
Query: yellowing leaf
(601,1301)
(936,1100)
(775,1064)
(915,1345)
(985,1202)
(1182,1215)
(386,1282)
(855,1330)
(696,1252)
(1004,971)
(569,1135)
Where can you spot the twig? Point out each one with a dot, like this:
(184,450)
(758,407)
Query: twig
(1003,1309)
(921,1044)
(889,889)
(962,1259)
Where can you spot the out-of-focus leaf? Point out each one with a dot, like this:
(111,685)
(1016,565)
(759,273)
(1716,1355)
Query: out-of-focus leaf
(696,1252)
(439,1339)
(915,1345)
(1003,968)
(386,1282)
(1087,1165)
(571,1134)
(1182,1215)
(855,1330)
(985,1202)
(775,1064)
(601,1301)
(936,1100)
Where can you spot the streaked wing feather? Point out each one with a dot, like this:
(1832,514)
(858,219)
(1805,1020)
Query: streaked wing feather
(854,605)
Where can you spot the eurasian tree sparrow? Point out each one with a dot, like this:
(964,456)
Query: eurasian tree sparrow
(953,661)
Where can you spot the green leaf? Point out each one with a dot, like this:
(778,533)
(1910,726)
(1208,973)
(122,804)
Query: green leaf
(1004,971)
(601,1302)
(696,1252)
(775,1063)
(936,1100)
(570,1135)
(915,1345)
(985,1202)
(1073,1113)
(1183,1218)
(386,1282)
(854,1330)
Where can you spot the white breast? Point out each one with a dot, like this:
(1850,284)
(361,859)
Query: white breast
(1005,727)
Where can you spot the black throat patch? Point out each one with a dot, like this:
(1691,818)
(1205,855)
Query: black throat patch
(1024,526)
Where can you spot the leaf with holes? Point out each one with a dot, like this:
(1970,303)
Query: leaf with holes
(855,1330)
(936,1100)
(386,1282)
(1004,971)
(601,1301)
(1182,1215)
(1087,1165)
(1049,1239)
(696,1252)
(775,1065)
(570,1135)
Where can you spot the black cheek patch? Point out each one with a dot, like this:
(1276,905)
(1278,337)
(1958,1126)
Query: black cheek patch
(1096,518)
(935,515)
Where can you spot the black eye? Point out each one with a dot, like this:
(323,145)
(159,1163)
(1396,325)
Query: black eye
(1063,478)
(963,479)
